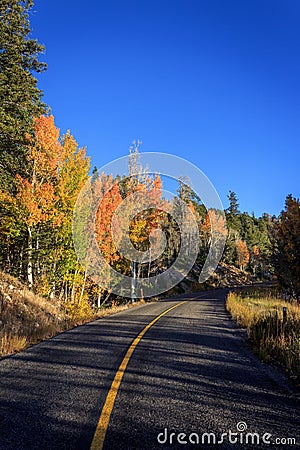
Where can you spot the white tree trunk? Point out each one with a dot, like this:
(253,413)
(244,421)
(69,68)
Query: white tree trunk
(83,287)
(30,263)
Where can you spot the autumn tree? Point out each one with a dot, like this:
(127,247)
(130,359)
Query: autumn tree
(36,194)
(106,190)
(255,258)
(64,272)
(243,255)
(39,217)
(145,221)
(286,244)
(34,201)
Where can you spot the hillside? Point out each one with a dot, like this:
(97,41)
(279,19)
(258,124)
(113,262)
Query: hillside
(26,318)
(228,275)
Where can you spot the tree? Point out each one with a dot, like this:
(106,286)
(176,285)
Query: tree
(233,208)
(37,225)
(243,255)
(71,172)
(103,221)
(214,226)
(229,255)
(232,212)
(286,242)
(20,98)
(255,259)
(36,195)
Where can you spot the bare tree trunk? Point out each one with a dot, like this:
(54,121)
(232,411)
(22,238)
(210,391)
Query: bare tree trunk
(8,261)
(30,263)
(73,286)
(83,287)
(30,245)
(99,297)
(52,294)
(21,263)
(149,264)
(133,281)
(38,257)
(61,294)
(106,298)
(66,292)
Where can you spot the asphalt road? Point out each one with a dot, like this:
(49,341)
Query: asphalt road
(191,373)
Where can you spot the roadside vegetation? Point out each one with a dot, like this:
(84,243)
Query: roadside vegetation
(28,318)
(273,326)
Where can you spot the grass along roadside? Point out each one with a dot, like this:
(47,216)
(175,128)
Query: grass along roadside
(273,337)
(27,318)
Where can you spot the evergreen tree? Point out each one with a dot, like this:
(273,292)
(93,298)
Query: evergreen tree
(20,98)
(232,212)
(233,208)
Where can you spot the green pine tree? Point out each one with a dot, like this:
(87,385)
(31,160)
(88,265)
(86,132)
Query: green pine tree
(20,98)
(233,212)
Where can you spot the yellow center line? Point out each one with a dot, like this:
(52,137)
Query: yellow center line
(102,426)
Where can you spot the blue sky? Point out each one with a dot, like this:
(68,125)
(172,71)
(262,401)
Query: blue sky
(216,82)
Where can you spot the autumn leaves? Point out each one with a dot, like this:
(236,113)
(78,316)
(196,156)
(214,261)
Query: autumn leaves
(38,218)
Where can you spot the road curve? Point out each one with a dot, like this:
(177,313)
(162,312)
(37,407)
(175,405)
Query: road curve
(190,373)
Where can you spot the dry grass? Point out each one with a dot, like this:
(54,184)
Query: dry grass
(11,344)
(272,336)
(26,318)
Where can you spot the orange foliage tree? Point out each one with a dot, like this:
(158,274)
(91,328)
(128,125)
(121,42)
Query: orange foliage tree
(44,201)
(214,226)
(36,194)
(242,254)
(108,204)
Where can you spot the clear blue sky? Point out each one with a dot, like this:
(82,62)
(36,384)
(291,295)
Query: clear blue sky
(216,82)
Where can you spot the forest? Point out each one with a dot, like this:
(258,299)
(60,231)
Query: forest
(149,224)
(42,173)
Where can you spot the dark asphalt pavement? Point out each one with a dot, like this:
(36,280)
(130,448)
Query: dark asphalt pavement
(191,373)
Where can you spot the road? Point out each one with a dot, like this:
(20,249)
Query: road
(191,372)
